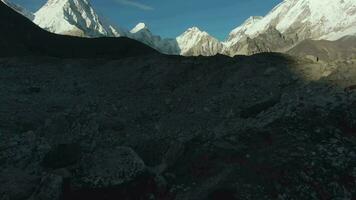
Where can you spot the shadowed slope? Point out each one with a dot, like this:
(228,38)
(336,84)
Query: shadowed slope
(344,48)
(20,36)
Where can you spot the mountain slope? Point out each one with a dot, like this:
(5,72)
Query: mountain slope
(195,42)
(74,17)
(239,33)
(269,41)
(78,18)
(298,20)
(142,33)
(344,48)
(310,19)
(37,41)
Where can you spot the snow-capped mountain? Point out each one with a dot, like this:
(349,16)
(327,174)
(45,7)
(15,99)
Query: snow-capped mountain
(78,17)
(19,9)
(271,40)
(240,32)
(302,19)
(142,33)
(74,17)
(289,23)
(194,42)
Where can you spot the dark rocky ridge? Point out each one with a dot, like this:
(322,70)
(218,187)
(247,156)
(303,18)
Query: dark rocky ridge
(19,36)
(268,126)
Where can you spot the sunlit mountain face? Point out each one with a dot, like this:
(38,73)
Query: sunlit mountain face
(91,108)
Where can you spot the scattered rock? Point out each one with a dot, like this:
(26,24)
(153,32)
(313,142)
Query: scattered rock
(259,107)
(16,184)
(50,188)
(109,168)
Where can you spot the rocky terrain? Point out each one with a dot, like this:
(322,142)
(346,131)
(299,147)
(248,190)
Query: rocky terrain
(111,118)
(164,127)
(342,49)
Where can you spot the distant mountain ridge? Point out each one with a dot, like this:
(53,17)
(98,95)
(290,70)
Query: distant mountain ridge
(285,26)
(142,33)
(297,20)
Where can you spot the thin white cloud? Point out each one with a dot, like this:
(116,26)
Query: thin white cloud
(135,4)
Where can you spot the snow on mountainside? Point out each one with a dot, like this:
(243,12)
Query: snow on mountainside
(240,32)
(142,33)
(19,9)
(194,42)
(304,19)
(74,17)
(289,23)
(78,17)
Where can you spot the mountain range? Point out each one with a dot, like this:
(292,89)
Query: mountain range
(285,26)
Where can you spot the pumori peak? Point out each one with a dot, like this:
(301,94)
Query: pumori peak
(74,17)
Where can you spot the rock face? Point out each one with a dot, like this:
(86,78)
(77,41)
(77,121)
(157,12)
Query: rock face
(74,17)
(195,42)
(269,41)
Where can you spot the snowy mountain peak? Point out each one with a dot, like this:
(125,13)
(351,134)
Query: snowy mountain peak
(194,29)
(253,18)
(240,31)
(312,19)
(196,42)
(139,27)
(74,17)
(293,21)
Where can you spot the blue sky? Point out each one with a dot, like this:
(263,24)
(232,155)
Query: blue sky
(169,18)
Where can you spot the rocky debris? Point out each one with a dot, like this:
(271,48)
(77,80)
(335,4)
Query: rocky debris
(50,188)
(17,183)
(104,169)
(21,150)
(259,107)
(267,126)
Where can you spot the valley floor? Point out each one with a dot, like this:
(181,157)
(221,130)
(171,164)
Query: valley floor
(267,126)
